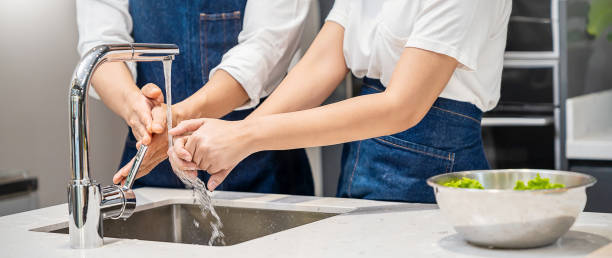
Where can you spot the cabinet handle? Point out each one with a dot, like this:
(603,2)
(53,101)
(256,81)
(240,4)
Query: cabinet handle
(516,121)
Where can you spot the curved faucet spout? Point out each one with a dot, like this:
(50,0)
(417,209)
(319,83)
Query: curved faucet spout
(85,197)
(79,88)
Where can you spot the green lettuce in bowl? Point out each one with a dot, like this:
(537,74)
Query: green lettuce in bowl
(464,183)
(537,183)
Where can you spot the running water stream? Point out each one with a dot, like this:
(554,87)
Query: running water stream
(202,195)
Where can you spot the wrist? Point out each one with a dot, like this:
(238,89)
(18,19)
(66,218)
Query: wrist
(252,135)
(182,111)
(193,107)
(128,96)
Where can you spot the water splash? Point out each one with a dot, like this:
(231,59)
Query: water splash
(196,223)
(201,194)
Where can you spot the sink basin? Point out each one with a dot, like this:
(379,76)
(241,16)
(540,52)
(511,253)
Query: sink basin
(177,223)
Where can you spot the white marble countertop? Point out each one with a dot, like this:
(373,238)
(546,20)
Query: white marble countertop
(370,229)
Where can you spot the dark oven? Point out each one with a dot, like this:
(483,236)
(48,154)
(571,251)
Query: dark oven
(533,29)
(529,88)
(522,131)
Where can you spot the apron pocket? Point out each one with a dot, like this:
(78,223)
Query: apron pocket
(414,160)
(218,33)
(389,168)
(418,148)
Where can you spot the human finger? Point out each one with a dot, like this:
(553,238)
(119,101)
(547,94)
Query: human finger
(179,148)
(187,126)
(216,179)
(153,92)
(159,119)
(123,172)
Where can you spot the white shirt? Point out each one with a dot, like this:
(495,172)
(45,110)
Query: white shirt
(471,31)
(267,43)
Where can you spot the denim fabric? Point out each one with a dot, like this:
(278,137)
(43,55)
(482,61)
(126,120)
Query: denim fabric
(395,167)
(204,31)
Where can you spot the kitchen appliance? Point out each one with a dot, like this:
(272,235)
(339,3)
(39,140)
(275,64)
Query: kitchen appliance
(533,30)
(529,88)
(523,130)
(501,217)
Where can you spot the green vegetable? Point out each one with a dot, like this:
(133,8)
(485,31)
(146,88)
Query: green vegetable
(537,183)
(464,183)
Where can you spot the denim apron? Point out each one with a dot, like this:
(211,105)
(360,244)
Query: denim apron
(395,167)
(204,30)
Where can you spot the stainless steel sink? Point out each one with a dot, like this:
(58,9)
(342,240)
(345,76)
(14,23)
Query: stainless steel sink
(177,223)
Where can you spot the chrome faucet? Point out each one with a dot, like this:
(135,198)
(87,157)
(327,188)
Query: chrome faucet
(88,203)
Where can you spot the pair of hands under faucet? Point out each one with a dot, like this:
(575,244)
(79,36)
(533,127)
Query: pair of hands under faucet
(196,141)
(145,112)
(146,116)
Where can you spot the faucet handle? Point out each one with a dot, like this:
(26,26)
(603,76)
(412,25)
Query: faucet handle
(119,202)
(131,177)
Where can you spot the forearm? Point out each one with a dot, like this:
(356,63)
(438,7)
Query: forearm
(313,79)
(417,80)
(115,86)
(331,124)
(221,94)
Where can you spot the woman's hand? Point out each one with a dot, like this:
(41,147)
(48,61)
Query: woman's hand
(180,165)
(145,113)
(216,146)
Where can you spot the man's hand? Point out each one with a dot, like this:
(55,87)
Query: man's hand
(158,147)
(216,146)
(145,113)
(155,155)
(147,118)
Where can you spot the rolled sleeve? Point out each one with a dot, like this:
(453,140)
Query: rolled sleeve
(454,28)
(266,45)
(103,22)
(339,12)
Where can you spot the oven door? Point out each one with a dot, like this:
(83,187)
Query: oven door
(520,146)
(533,30)
(529,88)
(522,131)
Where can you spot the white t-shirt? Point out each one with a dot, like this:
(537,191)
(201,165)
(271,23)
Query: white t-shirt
(471,31)
(269,40)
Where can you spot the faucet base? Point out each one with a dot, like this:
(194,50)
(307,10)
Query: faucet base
(85,218)
(118,202)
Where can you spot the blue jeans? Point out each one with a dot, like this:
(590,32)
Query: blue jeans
(204,30)
(395,167)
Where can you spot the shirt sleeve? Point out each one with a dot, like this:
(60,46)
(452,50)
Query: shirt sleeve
(103,22)
(454,28)
(269,38)
(339,12)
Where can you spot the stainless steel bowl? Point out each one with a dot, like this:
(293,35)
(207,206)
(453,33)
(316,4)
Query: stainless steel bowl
(504,218)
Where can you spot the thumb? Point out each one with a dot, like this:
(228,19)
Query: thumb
(179,148)
(153,92)
(187,126)
(123,172)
